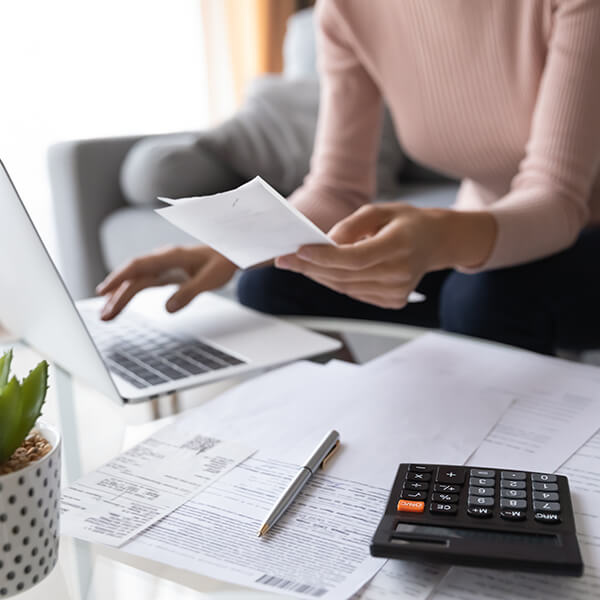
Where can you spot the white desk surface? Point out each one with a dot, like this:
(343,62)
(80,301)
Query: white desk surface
(88,572)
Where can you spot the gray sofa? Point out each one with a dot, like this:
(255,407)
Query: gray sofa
(104,189)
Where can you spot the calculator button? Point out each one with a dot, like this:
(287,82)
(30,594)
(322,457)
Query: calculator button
(552,507)
(514,475)
(543,477)
(443,508)
(420,468)
(511,484)
(481,482)
(513,515)
(416,485)
(446,487)
(441,497)
(513,503)
(482,473)
(410,506)
(480,512)
(538,486)
(481,491)
(450,475)
(418,476)
(513,494)
(411,495)
(480,501)
(546,496)
(543,517)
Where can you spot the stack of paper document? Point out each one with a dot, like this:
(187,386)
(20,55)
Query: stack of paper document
(438,399)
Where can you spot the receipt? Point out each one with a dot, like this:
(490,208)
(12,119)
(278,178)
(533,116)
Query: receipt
(248,225)
(139,487)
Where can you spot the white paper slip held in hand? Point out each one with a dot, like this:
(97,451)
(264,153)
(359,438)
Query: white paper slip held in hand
(248,225)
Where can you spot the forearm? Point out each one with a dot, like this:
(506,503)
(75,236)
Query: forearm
(464,239)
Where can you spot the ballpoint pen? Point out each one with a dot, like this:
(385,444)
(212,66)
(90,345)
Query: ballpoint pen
(318,458)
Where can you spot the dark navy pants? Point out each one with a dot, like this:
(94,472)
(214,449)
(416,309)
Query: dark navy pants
(543,305)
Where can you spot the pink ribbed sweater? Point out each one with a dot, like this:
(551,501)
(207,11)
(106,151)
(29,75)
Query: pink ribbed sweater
(503,94)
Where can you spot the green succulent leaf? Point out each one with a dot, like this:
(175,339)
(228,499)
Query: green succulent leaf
(10,419)
(33,394)
(20,404)
(5,362)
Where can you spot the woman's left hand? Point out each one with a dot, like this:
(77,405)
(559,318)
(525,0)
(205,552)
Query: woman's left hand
(384,250)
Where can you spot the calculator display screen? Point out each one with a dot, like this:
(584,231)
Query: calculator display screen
(437,535)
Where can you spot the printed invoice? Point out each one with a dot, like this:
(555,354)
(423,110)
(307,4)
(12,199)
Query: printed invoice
(137,488)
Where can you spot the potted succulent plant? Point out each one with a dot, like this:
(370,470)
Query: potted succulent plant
(29,481)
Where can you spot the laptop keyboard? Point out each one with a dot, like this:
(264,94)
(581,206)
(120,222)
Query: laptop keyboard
(143,355)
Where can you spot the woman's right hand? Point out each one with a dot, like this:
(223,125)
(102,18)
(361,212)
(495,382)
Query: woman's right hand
(197,269)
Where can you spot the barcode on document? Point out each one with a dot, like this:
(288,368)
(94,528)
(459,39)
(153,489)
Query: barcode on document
(292,586)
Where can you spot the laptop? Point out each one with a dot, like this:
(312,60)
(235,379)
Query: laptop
(145,352)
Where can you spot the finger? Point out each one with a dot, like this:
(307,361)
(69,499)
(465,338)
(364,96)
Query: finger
(282,261)
(152,264)
(366,221)
(388,271)
(395,294)
(121,297)
(187,292)
(381,302)
(361,255)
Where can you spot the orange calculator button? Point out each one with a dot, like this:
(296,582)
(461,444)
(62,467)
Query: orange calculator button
(410,506)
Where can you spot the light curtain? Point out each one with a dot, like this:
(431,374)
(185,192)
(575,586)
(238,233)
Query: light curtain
(243,38)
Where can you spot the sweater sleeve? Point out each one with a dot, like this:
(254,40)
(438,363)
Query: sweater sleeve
(343,165)
(547,205)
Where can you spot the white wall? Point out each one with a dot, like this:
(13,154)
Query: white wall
(90,68)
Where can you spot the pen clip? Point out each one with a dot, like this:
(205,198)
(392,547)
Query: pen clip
(330,454)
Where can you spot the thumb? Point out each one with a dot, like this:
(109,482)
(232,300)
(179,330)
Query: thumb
(364,222)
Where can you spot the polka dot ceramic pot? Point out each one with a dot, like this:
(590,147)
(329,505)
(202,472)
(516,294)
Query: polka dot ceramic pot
(29,510)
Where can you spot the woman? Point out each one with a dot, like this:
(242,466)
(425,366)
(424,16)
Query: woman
(504,95)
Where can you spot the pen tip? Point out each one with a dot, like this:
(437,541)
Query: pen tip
(263,530)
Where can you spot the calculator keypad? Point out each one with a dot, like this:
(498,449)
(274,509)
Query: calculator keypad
(450,475)
(483,492)
(480,517)
(410,506)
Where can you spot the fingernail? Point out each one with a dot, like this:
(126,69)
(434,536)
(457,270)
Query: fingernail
(173,304)
(282,262)
(304,253)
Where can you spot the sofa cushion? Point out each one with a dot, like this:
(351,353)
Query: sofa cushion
(131,232)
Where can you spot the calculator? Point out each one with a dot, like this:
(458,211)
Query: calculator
(480,517)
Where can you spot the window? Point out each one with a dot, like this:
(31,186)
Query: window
(92,68)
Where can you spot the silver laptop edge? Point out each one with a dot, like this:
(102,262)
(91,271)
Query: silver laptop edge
(36,306)
(73,350)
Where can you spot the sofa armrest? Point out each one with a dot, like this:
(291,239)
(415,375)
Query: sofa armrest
(84,178)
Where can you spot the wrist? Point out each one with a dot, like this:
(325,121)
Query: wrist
(465,239)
